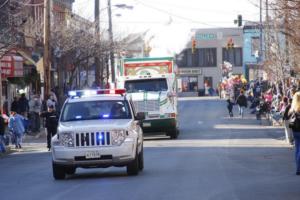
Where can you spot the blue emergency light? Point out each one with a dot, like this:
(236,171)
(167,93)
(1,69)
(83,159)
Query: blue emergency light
(81,93)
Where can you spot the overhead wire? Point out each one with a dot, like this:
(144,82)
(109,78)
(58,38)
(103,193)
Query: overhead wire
(197,8)
(174,15)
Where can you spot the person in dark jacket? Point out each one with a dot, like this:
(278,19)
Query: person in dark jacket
(230,107)
(241,101)
(23,105)
(51,123)
(15,105)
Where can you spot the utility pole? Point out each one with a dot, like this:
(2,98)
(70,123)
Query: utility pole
(260,31)
(97,35)
(267,28)
(111,39)
(46,59)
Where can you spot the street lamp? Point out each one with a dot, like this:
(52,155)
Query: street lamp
(110,32)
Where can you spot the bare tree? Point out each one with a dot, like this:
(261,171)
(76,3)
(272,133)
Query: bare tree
(13,16)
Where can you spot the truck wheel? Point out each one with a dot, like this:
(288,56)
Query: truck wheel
(58,172)
(70,170)
(141,160)
(133,167)
(173,134)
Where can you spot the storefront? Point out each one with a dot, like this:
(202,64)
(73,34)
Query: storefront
(200,67)
(11,65)
(188,81)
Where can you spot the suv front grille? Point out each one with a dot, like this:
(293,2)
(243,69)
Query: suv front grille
(146,106)
(92,139)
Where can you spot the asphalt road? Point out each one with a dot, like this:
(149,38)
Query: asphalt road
(215,157)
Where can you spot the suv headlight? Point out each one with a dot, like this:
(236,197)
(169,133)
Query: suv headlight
(118,136)
(67,139)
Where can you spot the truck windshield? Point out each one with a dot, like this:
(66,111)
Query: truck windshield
(91,110)
(146,85)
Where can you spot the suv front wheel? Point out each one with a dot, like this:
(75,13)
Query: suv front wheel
(58,172)
(133,167)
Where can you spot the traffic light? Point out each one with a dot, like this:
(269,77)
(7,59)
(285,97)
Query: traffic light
(194,45)
(230,43)
(240,20)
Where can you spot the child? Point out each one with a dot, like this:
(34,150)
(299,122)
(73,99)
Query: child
(16,126)
(229,107)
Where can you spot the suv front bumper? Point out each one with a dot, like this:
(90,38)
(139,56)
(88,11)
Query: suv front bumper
(108,155)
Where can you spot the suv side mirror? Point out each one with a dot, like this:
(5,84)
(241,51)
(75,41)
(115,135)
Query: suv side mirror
(140,116)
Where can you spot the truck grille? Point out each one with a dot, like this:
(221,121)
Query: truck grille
(92,139)
(146,106)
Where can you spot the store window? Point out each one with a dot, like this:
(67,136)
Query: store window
(207,57)
(233,56)
(189,84)
(254,46)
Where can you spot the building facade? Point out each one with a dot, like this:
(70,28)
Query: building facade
(200,67)
(252,65)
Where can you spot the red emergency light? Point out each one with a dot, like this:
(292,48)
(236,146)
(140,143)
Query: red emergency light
(81,93)
(110,91)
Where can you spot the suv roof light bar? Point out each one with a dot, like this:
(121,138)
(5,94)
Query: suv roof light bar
(81,93)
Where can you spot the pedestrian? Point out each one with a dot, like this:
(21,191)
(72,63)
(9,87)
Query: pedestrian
(51,117)
(5,107)
(16,126)
(15,105)
(35,107)
(2,132)
(230,107)
(286,117)
(241,101)
(295,126)
(23,105)
(51,101)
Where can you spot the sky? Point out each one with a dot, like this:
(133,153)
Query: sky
(169,22)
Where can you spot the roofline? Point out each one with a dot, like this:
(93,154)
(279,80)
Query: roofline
(148,59)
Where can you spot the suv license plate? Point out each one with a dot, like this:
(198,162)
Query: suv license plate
(92,154)
(146,124)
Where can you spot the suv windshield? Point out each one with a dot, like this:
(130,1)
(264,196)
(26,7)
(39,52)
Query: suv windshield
(89,110)
(146,85)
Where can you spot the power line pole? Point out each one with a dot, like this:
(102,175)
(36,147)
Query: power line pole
(260,31)
(46,59)
(267,31)
(97,35)
(111,39)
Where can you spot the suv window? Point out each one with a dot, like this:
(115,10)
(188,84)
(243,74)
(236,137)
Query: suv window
(91,110)
(159,84)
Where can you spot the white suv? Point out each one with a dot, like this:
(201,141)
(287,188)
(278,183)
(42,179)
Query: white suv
(97,128)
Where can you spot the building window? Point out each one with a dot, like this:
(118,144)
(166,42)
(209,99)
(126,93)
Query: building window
(189,83)
(189,58)
(233,55)
(254,46)
(206,57)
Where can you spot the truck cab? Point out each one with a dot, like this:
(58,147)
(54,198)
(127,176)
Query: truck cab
(151,84)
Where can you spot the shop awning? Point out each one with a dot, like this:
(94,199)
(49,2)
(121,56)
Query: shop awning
(27,58)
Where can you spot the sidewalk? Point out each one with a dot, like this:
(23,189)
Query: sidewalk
(31,143)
